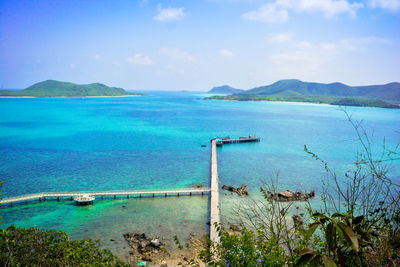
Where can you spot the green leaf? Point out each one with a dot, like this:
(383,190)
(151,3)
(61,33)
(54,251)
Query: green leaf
(306,255)
(330,234)
(311,229)
(349,235)
(328,262)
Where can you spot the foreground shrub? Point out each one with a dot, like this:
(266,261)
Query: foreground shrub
(33,247)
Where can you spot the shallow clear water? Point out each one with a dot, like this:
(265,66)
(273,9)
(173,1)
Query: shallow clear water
(68,144)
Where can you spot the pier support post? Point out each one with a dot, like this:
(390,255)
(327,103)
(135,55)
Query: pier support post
(115,197)
(153,195)
(44,198)
(127,196)
(70,198)
(10,204)
(140,195)
(40,199)
(178,194)
(165,194)
(190,194)
(58,199)
(101,197)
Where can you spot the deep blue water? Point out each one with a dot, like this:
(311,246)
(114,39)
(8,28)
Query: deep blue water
(68,144)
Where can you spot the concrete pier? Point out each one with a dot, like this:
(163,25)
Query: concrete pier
(214,201)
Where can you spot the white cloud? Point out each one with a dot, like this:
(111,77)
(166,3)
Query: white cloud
(391,5)
(225,53)
(347,44)
(169,14)
(271,13)
(357,43)
(330,8)
(307,59)
(140,59)
(72,66)
(279,38)
(177,55)
(277,11)
(97,57)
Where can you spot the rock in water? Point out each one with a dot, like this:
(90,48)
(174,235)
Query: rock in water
(290,196)
(241,191)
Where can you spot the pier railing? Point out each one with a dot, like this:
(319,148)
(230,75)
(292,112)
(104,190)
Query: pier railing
(154,192)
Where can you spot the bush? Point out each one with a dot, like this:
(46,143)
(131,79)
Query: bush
(33,247)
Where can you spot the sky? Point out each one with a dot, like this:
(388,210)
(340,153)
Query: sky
(195,45)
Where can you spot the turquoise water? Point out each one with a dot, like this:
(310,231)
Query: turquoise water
(68,144)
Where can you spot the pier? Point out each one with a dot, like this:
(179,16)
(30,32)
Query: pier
(227,140)
(214,200)
(214,190)
(138,193)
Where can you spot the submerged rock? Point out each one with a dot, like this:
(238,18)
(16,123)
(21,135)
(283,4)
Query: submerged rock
(291,196)
(241,191)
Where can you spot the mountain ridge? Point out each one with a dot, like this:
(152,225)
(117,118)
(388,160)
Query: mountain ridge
(293,90)
(389,92)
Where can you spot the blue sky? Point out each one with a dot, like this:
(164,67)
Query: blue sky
(195,45)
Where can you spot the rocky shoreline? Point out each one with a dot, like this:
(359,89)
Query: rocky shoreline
(153,250)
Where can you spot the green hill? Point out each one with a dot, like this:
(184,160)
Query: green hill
(389,92)
(52,88)
(224,89)
(387,95)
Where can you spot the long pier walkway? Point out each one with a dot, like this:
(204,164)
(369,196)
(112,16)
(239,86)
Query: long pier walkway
(128,193)
(214,201)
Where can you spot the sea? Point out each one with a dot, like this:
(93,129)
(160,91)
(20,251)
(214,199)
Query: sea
(157,142)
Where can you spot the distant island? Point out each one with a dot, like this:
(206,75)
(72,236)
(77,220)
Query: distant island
(225,89)
(52,88)
(383,96)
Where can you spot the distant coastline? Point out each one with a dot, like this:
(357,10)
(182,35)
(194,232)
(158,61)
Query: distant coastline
(292,90)
(390,106)
(52,88)
(99,96)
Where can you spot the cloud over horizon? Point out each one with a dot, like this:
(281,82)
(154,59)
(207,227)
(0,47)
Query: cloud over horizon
(391,5)
(140,59)
(169,14)
(278,11)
